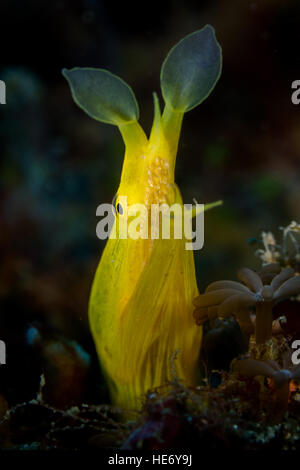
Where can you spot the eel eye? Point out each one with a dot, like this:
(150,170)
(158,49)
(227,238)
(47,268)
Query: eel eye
(119,208)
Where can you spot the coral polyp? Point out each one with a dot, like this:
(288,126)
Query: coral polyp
(227,298)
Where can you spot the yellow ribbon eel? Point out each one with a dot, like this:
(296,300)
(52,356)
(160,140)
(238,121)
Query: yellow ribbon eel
(140,307)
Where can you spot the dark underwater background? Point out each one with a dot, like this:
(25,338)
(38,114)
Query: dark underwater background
(241,145)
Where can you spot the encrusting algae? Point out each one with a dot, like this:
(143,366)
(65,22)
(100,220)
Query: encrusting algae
(141,311)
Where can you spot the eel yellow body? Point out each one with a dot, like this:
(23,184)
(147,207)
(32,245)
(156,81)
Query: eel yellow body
(140,307)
